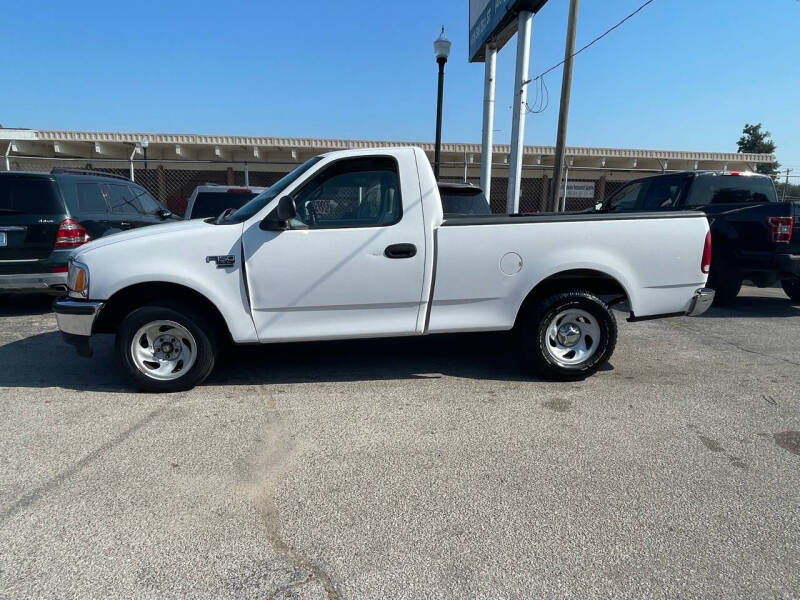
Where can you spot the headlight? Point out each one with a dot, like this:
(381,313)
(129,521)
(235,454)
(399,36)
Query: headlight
(78,280)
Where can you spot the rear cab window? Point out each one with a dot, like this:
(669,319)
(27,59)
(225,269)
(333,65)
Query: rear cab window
(731,189)
(29,195)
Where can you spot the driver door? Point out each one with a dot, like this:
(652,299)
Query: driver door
(351,264)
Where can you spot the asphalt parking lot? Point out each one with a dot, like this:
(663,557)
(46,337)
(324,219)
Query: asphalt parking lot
(416,468)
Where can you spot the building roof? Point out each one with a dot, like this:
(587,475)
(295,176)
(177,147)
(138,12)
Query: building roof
(98,145)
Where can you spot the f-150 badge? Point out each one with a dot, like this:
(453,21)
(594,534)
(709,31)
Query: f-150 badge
(222,261)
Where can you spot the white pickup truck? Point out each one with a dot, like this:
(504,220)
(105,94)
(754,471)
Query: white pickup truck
(354,244)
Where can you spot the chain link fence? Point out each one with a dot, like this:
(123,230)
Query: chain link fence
(172,182)
(584,190)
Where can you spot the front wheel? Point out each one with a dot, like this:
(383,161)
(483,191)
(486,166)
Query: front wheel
(165,350)
(569,335)
(792,288)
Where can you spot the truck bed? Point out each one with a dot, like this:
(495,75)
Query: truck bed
(486,265)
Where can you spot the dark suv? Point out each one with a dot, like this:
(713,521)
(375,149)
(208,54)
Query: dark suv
(44,216)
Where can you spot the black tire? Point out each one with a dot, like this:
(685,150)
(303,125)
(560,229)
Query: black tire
(204,336)
(792,288)
(725,280)
(534,335)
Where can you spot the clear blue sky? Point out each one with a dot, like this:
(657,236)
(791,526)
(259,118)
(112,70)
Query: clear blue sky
(683,74)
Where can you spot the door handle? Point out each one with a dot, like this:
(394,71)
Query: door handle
(125,225)
(400,251)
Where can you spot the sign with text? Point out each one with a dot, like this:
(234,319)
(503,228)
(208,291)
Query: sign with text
(579,189)
(495,21)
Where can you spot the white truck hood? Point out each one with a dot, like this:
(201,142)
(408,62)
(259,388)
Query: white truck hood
(152,231)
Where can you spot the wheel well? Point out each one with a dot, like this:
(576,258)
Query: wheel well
(596,282)
(130,298)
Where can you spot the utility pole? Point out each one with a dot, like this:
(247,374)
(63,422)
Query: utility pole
(785,187)
(563,113)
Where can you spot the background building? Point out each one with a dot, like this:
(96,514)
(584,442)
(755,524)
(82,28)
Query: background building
(171,165)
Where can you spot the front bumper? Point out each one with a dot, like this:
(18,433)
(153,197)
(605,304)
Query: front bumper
(76,321)
(701,302)
(33,282)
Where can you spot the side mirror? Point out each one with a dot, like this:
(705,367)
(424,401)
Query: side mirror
(286,209)
(278,219)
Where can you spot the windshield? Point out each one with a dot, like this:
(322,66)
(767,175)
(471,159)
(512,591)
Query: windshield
(272,192)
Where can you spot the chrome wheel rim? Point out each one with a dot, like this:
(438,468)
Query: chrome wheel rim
(163,350)
(572,338)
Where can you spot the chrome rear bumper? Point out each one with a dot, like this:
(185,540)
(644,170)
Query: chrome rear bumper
(33,281)
(701,302)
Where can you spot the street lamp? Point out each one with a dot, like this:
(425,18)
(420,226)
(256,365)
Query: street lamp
(145,143)
(441,47)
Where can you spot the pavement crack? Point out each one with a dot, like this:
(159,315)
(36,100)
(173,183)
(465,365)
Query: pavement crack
(36,494)
(268,466)
(314,571)
(290,586)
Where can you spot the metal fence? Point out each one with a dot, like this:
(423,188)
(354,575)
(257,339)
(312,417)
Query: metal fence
(172,182)
(584,189)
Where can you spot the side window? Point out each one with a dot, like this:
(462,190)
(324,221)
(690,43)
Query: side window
(149,204)
(121,199)
(626,198)
(663,192)
(90,197)
(362,192)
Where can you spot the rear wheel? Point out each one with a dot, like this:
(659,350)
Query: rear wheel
(792,288)
(569,335)
(725,280)
(165,349)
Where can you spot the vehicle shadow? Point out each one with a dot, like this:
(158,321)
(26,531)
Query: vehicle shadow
(12,305)
(492,356)
(755,307)
(44,360)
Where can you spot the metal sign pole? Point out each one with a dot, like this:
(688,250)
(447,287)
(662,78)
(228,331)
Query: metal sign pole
(488,121)
(520,102)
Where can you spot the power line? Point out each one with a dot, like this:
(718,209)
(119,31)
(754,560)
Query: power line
(586,47)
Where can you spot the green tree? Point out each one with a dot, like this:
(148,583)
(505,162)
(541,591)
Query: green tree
(755,140)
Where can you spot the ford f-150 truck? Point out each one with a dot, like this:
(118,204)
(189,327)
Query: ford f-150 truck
(354,244)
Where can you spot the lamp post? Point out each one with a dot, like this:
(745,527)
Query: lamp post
(145,143)
(441,48)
